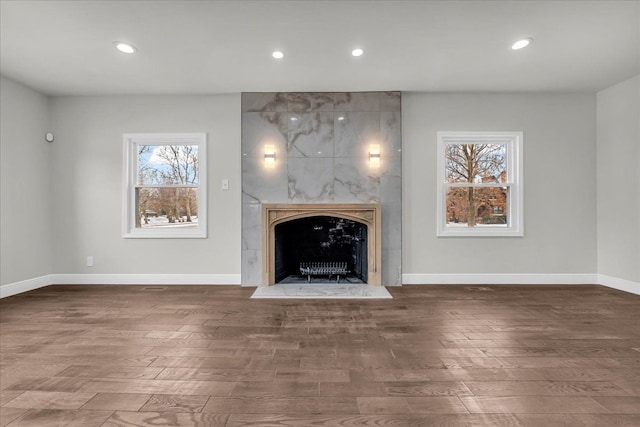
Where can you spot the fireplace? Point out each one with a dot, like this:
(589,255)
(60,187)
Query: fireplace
(318,148)
(326,242)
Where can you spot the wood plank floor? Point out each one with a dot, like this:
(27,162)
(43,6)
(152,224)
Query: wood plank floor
(210,356)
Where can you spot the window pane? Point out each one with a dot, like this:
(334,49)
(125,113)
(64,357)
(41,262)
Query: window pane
(166,207)
(167,164)
(476,207)
(477,163)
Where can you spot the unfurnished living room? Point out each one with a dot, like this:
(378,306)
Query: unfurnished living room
(319,213)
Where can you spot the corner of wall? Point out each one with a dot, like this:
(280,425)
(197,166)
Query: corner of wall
(26,117)
(618,183)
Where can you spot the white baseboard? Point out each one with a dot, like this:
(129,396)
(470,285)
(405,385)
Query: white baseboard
(118,279)
(499,279)
(619,284)
(24,286)
(146,279)
(234,279)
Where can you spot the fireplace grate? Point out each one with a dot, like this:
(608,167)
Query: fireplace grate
(324,269)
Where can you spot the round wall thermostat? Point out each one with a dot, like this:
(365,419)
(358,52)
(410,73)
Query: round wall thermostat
(48,137)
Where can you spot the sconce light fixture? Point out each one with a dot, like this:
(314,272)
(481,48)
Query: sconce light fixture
(374,155)
(269,156)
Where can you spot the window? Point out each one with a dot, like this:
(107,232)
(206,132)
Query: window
(480,189)
(165,185)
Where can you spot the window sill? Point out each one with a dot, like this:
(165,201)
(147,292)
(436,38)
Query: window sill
(479,232)
(161,234)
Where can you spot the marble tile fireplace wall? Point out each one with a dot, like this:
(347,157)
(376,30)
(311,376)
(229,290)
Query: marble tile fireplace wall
(322,143)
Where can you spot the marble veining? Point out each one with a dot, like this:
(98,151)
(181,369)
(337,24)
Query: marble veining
(390,101)
(251,267)
(392,267)
(391,134)
(355,132)
(310,101)
(259,129)
(261,185)
(356,181)
(357,101)
(265,101)
(252,226)
(311,135)
(310,180)
(391,181)
(322,291)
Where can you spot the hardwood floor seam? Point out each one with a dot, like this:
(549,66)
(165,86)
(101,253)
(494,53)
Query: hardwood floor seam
(438,355)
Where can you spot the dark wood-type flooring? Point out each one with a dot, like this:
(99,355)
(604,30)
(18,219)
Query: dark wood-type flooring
(210,356)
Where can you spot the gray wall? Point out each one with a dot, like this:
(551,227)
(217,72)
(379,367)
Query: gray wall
(86,183)
(25,177)
(559,183)
(618,157)
(322,156)
(87,160)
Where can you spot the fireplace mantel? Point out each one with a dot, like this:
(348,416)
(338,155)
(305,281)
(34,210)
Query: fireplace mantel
(365,213)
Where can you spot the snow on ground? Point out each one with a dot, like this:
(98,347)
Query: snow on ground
(163,221)
(465,225)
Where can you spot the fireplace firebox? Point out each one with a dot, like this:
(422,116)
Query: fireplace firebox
(321,248)
(323,242)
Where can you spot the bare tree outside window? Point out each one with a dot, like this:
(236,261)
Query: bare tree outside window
(167,186)
(468,166)
(480,184)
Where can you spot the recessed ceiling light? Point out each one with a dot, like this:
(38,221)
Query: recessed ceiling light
(521,43)
(357,52)
(125,47)
(277,54)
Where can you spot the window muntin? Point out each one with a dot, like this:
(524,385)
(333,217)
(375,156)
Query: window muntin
(480,184)
(165,194)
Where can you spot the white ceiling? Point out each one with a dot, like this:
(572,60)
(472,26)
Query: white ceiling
(202,47)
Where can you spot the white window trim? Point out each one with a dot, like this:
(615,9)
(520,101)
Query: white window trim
(515,201)
(130,174)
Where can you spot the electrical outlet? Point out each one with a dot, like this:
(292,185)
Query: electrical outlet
(89,261)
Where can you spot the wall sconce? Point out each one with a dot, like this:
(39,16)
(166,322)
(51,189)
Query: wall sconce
(374,155)
(269,156)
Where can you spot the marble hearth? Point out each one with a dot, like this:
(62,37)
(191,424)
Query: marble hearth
(367,214)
